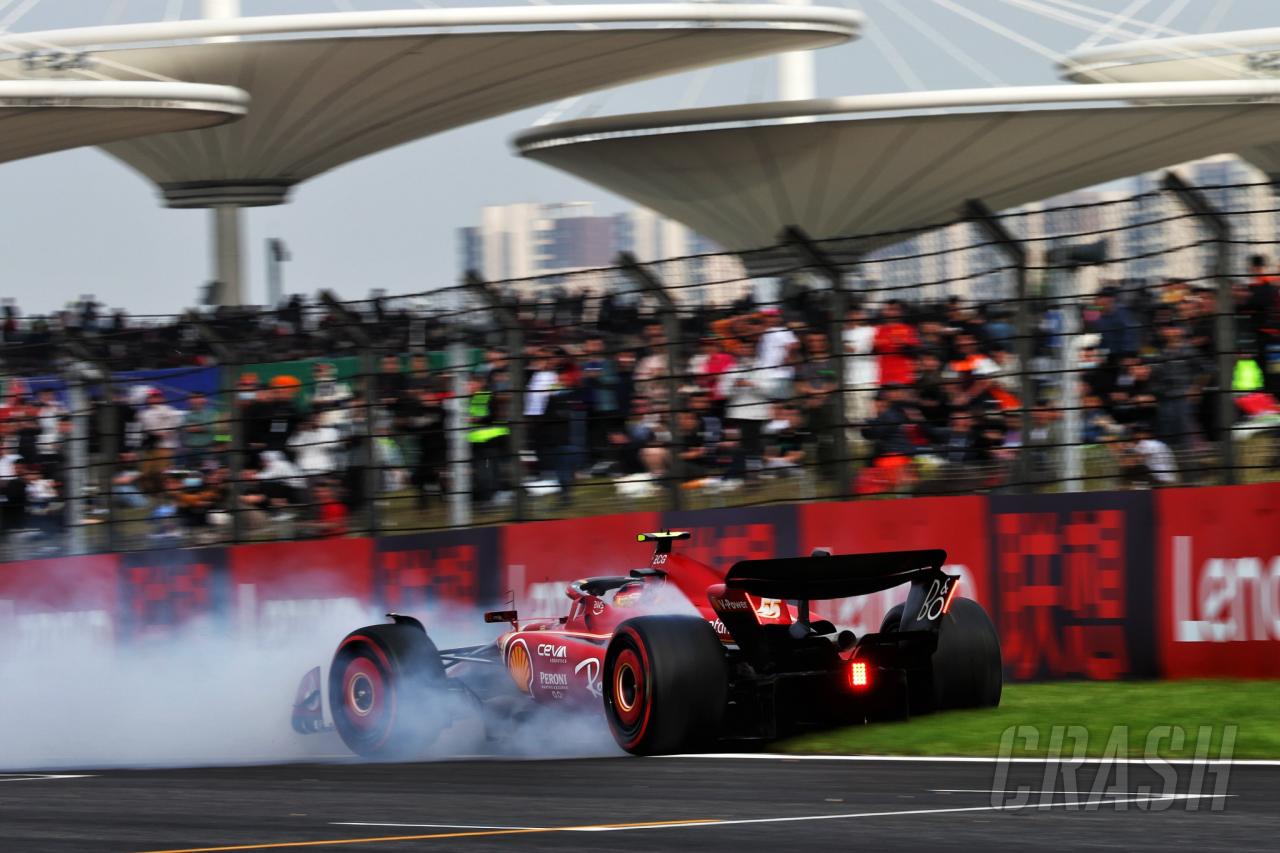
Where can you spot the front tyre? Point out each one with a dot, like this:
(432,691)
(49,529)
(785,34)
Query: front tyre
(665,684)
(382,684)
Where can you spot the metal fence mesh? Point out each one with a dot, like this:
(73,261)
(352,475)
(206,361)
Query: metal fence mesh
(1128,343)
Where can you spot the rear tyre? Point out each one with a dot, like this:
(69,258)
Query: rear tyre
(383,687)
(966,670)
(665,684)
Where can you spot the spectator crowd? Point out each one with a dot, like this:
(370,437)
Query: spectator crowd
(934,399)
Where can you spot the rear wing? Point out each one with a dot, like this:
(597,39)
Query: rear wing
(751,585)
(834,576)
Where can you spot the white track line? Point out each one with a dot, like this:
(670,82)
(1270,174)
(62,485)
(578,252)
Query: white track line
(972,759)
(676,824)
(41,777)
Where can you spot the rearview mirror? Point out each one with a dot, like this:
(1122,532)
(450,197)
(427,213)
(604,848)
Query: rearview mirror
(501,616)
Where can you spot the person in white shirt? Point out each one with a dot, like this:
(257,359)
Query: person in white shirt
(538,391)
(1157,456)
(314,446)
(48,414)
(160,422)
(747,403)
(773,355)
(861,367)
(332,398)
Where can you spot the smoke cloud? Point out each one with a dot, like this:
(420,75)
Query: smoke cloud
(222,694)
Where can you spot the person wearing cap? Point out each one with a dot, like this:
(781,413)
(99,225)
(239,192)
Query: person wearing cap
(1262,308)
(1117,327)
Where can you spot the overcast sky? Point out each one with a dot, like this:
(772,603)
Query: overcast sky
(79,222)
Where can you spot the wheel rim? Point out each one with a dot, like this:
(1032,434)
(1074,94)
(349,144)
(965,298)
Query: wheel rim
(363,693)
(628,688)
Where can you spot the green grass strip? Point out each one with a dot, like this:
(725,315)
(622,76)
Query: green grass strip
(1253,707)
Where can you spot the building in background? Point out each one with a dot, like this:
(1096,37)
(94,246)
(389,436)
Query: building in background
(1143,232)
(565,240)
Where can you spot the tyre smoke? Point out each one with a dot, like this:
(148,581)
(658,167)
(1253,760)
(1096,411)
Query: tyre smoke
(221,692)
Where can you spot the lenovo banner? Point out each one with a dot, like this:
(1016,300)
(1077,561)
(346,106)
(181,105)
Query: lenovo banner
(1073,584)
(67,600)
(1218,553)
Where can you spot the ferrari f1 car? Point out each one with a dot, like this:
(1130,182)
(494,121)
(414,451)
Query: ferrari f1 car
(675,667)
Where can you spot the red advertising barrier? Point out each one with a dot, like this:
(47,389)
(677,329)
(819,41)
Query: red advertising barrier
(958,525)
(278,588)
(162,592)
(1103,585)
(539,558)
(1073,584)
(67,597)
(449,567)
(1218,581)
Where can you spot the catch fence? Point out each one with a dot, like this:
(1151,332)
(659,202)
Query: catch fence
(1102,342)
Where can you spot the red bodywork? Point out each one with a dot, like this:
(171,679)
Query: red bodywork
(556,660)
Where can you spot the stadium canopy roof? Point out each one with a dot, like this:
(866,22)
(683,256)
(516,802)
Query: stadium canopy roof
(1239,55)
(1211,56)
(740,174)
(42,116)
(329,88)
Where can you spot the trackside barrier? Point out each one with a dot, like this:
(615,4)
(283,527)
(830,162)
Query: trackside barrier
(1100,585)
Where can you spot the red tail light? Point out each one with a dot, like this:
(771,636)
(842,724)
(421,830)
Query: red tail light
(858,675)
(951,593)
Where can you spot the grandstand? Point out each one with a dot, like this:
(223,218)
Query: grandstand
(526,399)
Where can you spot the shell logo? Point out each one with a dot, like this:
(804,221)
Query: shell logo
(520,666)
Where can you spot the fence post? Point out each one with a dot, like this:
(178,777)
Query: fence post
(809,253)
(650,284)
(351,325)
(77,462)
(513,336)
(1224,331)
(982,216)
(90,370)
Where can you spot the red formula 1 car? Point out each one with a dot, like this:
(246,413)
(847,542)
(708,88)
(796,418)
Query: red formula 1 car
(674,667)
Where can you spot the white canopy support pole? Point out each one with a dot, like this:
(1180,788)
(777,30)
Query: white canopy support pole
(226,253)
(795,73)
(222,10)
(1114,25)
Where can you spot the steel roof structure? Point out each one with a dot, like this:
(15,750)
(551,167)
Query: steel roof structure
(885,164)
(1238,55)
(330,88)
(43,116)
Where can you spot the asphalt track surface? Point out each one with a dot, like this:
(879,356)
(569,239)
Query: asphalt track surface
(740,803)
